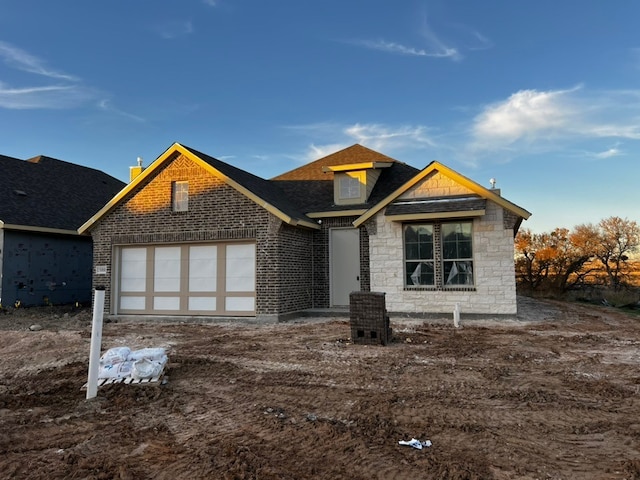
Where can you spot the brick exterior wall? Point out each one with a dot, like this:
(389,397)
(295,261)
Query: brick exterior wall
(295,278)
(493,247)
(217,212)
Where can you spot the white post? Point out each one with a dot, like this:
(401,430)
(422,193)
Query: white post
(96,343)
(456,315)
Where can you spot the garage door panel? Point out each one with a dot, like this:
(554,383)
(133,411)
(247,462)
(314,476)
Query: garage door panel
(166,272)
(203,268)
(240,304)
(202,304)
(212,279)
(134,270)
(240,268)
(132,303)
(166,303)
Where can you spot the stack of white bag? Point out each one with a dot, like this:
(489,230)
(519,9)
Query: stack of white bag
(122,362)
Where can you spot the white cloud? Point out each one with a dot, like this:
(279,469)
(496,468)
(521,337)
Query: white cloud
(532,121)
(106,106)
(436,44)
(49,97)
(384,138)
(612,152)
(524,114)
(171,30)
(392,47)
(211,3)
(314,152)
(21,60)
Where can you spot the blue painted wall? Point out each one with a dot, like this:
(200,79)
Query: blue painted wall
(39,269)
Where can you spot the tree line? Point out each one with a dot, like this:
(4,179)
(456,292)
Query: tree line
(589,255)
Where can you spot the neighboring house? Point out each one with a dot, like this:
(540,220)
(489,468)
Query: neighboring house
(43,201)
(194,236)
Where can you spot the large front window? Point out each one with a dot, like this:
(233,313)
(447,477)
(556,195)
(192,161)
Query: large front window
(419,255)
(457,254)
(438,255)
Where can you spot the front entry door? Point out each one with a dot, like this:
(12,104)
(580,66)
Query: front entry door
(345,264)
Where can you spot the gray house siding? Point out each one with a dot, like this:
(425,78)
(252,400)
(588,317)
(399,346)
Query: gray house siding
(41,269)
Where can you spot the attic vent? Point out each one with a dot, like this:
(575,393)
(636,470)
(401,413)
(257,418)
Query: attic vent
(20,193)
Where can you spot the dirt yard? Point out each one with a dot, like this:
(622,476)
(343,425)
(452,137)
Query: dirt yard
(555,395)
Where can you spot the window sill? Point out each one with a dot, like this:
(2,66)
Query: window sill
(431,288)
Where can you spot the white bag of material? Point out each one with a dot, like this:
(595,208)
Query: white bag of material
(115,355)
(146,368)
(115,370)
(155,354)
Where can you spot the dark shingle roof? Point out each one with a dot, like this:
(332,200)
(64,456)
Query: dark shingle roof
(312,189)
(43,192)
(265,189)
(457,203)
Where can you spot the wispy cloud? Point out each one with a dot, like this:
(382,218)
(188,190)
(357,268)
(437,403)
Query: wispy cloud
(385,138)
(175,29)
(432,46)
(21,60)
(397,48)
(47,97)
(107,107)
(437,44)
(211,3)
(612,152)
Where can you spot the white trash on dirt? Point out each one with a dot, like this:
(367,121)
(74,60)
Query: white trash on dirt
(115,370)
(145,368)
(122,362)
(155,354)
(416,443)
(115,355)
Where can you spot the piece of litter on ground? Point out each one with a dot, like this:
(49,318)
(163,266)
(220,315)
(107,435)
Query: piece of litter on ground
(416,443)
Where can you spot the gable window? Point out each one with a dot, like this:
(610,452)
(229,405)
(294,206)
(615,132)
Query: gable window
(180,196)
(349,187)
(438,255)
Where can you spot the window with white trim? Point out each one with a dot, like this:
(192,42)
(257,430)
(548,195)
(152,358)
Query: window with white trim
(180,196)
(438,255)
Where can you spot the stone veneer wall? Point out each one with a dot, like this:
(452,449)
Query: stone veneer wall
(217,212)
(494,273)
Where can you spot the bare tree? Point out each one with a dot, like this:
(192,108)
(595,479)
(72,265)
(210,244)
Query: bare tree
(617,238)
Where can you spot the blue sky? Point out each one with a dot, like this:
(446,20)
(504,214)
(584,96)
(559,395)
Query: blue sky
(542,96)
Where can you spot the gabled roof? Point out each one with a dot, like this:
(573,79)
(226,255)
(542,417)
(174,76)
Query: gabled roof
(259,190)
(311,185)
(50,195)
(456,177)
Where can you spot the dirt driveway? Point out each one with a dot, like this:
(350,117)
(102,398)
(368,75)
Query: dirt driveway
(555,395)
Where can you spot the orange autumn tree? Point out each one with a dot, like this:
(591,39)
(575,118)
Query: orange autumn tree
(617,239)
(558,260)
(552,261)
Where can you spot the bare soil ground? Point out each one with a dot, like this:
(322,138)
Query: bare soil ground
(554,395)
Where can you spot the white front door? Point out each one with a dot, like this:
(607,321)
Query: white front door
(344,247)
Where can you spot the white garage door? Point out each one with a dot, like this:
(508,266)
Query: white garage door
(212,279)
